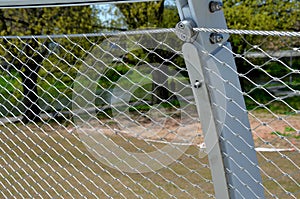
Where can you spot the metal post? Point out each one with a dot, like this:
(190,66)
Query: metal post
(219,100)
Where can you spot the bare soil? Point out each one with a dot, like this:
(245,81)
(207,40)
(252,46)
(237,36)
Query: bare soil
(269,130)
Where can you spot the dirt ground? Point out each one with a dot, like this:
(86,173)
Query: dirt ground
(276,130)
(269,130)
(50,159)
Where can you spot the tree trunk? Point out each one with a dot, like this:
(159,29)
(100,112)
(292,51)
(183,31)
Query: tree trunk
(30,100)
(160,90)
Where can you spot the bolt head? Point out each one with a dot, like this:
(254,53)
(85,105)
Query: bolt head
(197,84)
(181,25)
(216,38)
(215,6)
(183,37)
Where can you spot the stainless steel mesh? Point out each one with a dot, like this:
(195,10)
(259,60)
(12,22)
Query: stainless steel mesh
(114,116)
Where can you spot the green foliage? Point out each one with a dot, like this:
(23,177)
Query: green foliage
(143,15)
(112,75)
(261,15)
(55,20)
(149,15)
(285,135)
(40,21)
(289,129)
(264,15)
(240,14)
(170,17)
(55,75)
(10,91)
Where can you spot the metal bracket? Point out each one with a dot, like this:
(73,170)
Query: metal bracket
(185,31)
(210,68)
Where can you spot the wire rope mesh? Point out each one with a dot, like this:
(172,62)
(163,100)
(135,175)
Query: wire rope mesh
(113,115)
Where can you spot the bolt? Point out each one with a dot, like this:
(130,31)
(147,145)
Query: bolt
(181,25)
(215,6)
(197,84)
(215,38)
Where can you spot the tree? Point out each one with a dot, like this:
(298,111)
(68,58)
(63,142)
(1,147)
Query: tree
(153,15)
(142,15)
(260,15)
(27,56)
(239,14)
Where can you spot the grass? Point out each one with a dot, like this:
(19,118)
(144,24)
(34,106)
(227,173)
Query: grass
(55,161)
(281,173)
(287,135)
(289,132)
(49,161)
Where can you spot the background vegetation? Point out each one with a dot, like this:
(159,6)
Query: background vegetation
(41,155)
(18,82)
